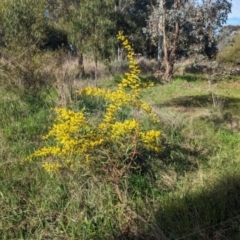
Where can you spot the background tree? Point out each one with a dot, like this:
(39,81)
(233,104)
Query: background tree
(23,29)
(186,23)
(90,26)
(23,22)
(131,19)
(226,36)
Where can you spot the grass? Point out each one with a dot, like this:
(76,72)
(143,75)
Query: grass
(191,190)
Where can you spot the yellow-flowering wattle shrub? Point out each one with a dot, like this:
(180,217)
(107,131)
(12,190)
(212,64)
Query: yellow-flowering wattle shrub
(107,146)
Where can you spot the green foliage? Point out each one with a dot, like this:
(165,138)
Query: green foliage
(27,71)
(215,202)
(130,17)
(184,27)
(230,54)
(89,25)
(23,22)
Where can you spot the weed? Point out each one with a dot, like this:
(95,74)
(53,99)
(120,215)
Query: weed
(109,147)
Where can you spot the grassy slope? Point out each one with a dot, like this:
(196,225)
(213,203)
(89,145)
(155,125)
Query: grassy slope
(191,190)
(206,141)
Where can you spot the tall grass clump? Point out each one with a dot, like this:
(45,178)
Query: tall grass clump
(110,146)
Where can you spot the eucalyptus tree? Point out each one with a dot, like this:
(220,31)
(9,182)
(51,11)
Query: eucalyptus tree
(23,22)
(90,26)
(96,25)
(189,23)
(131,18)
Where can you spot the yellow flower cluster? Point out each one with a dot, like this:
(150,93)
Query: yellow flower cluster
(45,151)
(132,63)
(131,79)
(68,123)
(51,167)
(74,137)
(123,129)
(150,138)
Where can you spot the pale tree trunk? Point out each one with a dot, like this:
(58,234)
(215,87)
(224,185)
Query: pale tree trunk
(119,54)
(168,71)
(160,37)
(166,45)
(80,64)
(169,55)
(159,54)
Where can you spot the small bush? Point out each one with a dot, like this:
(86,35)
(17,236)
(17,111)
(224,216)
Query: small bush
(109,146)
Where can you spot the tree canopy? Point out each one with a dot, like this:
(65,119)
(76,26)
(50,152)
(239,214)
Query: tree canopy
(172,28)
(187,26)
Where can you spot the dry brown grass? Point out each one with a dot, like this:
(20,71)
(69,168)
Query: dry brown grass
(89,69)
(147,66)
(31,71)
(65,74)
(28,71)
(179,68)
(67,77)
